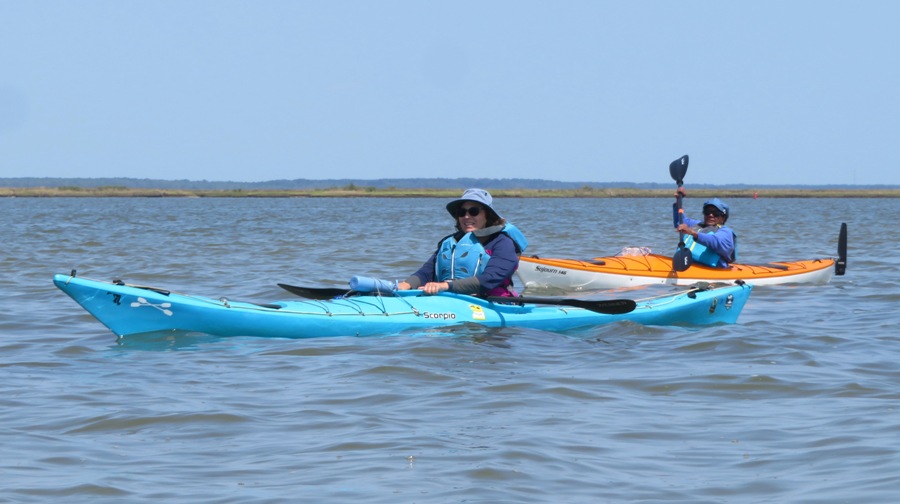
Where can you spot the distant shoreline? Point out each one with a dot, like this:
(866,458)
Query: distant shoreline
(372,192)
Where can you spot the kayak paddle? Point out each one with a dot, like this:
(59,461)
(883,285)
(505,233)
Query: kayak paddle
(609,306)
(682,259)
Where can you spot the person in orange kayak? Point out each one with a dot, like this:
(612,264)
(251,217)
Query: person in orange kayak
(479,258)
(710,241)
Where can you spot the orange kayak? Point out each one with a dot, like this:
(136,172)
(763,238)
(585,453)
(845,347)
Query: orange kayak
(619,271)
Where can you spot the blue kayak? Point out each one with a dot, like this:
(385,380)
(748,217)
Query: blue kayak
(133,309)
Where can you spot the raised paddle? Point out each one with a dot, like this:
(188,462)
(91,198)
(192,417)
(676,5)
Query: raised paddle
(682,259)
(609,306)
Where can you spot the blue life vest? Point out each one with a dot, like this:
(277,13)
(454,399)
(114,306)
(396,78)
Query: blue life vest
(517,237)
(466,257)
(703,254)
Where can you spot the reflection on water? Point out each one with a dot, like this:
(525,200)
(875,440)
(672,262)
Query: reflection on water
(165,341)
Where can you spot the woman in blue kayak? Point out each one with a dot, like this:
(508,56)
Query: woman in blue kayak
(479,258)
(710,241)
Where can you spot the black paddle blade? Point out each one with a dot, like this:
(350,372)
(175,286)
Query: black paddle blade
(840,266)
(314,292)
(609,306)
(682,259)
(678,168)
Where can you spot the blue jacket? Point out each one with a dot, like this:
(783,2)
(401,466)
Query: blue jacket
(722,241)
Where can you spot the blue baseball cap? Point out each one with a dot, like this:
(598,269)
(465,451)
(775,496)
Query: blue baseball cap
(716,202)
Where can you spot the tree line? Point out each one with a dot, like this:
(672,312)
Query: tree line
(383,183)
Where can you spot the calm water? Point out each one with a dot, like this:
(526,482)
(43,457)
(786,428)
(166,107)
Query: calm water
(797,403)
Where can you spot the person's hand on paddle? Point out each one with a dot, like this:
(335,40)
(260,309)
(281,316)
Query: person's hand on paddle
(684,228)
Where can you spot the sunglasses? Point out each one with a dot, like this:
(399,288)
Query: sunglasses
(715,212)
(472,211)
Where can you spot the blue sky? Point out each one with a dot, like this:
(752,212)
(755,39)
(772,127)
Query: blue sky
(757,92)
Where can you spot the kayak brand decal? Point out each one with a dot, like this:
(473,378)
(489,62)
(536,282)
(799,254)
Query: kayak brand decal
(163,307)
(477,312)
(544,269)
(440,316)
